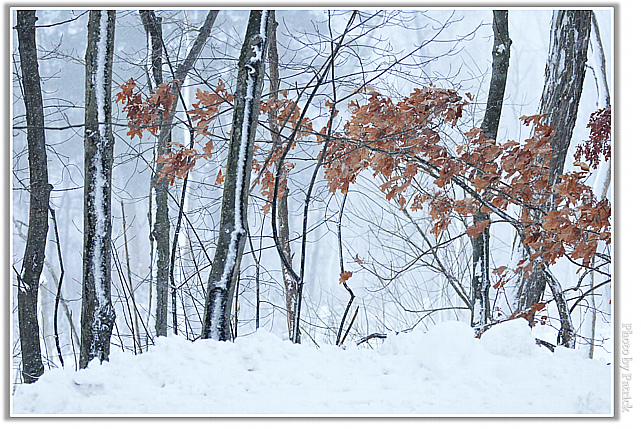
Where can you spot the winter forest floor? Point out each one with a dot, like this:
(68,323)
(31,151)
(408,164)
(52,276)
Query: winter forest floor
(445,371)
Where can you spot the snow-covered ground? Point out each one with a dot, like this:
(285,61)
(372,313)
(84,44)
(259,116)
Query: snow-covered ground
(445,371)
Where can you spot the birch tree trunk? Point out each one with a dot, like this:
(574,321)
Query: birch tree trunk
(40,189)
(481,244)
(98,315)
(233,222)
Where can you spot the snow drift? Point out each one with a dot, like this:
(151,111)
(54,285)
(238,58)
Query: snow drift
(445,371)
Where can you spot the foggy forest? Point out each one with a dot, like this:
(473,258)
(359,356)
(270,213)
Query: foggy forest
(255,211)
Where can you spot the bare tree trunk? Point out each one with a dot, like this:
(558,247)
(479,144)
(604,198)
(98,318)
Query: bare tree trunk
(567,333)
(606,183)
(161,230)
(40,189)
(564,75)
(282,205)
(233,222)
(153,28)
(481,244)
(162,226)
(601,56)
(98,314)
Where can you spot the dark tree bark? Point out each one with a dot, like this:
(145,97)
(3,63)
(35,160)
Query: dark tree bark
(153,28)
(98,315)
(161,231)
(566,336)
(233,222)
(500,65)
(564,75)
(40,189)
(481,244)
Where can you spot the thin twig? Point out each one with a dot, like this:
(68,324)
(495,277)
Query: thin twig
(59,291)
(131,285)
(349,327)
(371,336)
(340,257)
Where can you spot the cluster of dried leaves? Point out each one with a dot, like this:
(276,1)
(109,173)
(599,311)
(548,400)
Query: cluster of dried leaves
(148,114)
(145,115)
(283,115)
(386,137)
(400,141)
(599,142)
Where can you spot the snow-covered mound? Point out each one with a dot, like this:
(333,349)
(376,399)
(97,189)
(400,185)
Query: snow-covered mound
(443,371)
